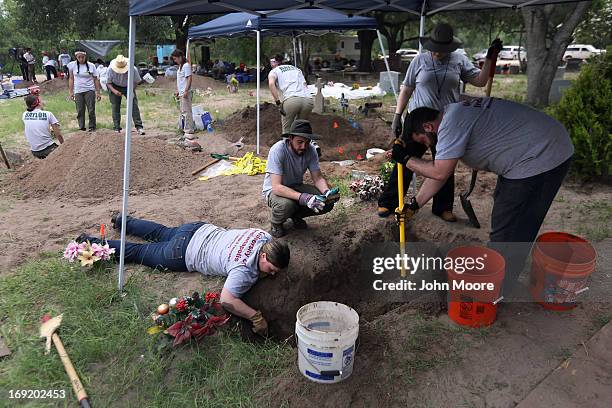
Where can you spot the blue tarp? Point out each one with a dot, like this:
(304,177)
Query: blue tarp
(239,24)
(182,7)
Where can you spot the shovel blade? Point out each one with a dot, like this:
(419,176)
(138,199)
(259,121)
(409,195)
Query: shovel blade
(469,211)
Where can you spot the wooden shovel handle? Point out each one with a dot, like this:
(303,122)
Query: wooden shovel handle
(72,374)
(204,167)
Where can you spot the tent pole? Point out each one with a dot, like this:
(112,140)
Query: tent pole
(382,48)
(258,82)
(128,145)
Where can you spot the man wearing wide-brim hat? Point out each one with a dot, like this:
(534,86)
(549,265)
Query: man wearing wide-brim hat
(117,80)
(284,188)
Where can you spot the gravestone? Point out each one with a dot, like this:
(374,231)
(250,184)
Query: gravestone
(319,102)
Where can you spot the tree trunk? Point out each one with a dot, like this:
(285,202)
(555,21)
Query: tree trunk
(542,60)
(181,25)
(366,40)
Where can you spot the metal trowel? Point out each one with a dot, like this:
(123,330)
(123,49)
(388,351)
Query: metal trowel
(467,205)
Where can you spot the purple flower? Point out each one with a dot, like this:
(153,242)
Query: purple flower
(72,251)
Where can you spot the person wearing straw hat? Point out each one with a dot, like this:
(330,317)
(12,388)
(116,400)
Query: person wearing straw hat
(84,88)
(432,80)
(283,186)
(116,82)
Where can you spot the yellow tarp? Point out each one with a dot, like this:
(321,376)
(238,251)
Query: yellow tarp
(247,164)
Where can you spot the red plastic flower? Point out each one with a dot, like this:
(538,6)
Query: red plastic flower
(212,297)
(183,330)
(181,305)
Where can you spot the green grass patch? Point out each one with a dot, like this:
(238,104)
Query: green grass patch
(595,220)
(105,336)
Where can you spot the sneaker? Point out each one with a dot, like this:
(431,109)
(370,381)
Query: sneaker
(114,218)
(140,131)
(82,129)
(118,130)
(277,231)
(83,237)
(383,212)
(299,223)
(91,129)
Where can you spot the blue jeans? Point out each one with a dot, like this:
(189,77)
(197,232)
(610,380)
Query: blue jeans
(167,248)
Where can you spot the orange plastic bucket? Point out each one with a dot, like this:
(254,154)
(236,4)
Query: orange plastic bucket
(473,289)
(560,268)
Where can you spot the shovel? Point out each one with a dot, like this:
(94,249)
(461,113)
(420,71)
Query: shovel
(465,202)
(47,330)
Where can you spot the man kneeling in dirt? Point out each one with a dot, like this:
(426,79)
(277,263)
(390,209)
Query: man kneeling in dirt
(528,150)
(284,188)
(38,124)
(244,256)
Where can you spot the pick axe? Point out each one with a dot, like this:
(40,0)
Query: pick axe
(47,330)
(465,202)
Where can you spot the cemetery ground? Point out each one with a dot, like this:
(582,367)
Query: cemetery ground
(409,354)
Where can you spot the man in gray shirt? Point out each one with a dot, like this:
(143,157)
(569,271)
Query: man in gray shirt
(529,151)
(117,80)
(284,188)
(243,256)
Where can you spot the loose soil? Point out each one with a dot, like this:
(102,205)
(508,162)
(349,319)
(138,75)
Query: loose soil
(47,203)
(339,139)
(52,86)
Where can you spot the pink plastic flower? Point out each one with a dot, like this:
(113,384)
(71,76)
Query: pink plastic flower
(102,251)
(72,251)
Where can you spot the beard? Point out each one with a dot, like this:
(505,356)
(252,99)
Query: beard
(433,137)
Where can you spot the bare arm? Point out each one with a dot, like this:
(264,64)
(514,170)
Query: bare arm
(188,86)
(283,191)
(433,169)
(112,89)
(71,86)
(429,189)
(57,133)
(235,306)
(404,97)
(272,85)
(481,79)
(319,181)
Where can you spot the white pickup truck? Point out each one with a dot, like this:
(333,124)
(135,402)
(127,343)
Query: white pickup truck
(581,51)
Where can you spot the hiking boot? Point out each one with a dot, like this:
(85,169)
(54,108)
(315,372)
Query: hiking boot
(447,216)
(83,237)
(299,223)
(116,216)
(118,130)
(383,212)
(277,231)
(140,131)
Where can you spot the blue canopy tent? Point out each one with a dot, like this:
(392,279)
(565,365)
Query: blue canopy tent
(421,8)
(287,23)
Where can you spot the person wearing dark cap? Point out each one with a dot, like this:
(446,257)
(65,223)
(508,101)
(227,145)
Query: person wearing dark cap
(432,81)
(284,188)
(38,124)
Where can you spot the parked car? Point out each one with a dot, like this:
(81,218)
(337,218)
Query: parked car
(511,52)
(407,53)
(581,51)
(480,55)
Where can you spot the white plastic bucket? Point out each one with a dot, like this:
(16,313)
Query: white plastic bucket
(148,78)
(373,152)
(326,333)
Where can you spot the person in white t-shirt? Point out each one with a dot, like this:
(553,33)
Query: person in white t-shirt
(64,60)
(183,83)
(49,65)
(290,92)
(29,57)
(84,88)
(38,124)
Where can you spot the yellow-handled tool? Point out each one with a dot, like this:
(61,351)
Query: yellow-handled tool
(401,215)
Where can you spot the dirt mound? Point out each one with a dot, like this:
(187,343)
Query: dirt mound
(198,82)
(52,86)
(91,166)
(339,139)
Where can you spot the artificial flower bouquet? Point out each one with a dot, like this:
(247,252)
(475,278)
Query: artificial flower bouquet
(189,317)
(87,253)
(367,188)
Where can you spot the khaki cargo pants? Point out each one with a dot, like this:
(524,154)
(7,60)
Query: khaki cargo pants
(283,208)
(295,107)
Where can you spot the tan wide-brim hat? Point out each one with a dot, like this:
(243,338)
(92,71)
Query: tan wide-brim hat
(119,64)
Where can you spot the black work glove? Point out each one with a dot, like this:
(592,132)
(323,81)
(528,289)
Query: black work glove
(495,48)
(280,107)
(396,125)
(398,153)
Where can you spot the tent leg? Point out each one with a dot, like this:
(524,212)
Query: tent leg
(258,82)
(128,144)
(382,48)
